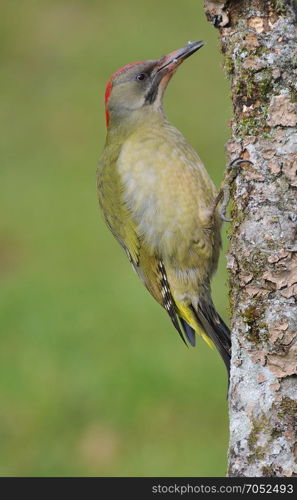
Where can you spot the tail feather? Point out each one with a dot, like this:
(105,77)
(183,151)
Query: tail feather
(177,326)
(205,321)
(215,328)
(189,331)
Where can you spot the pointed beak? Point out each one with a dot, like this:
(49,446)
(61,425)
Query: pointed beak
(168,64)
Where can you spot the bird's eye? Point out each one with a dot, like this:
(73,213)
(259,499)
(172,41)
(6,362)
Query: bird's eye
(141,76)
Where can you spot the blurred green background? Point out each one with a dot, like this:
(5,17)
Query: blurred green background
(94,379)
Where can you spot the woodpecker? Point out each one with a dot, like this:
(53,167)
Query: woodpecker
(159,201)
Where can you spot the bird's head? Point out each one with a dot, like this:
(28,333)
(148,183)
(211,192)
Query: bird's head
(139,85)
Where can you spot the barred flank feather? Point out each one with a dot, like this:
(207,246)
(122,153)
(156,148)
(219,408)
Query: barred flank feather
(168,302)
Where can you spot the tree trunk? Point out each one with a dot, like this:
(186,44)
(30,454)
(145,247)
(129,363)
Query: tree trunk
(259,43)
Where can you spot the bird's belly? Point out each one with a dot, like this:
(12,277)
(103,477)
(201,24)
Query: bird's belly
(170,217)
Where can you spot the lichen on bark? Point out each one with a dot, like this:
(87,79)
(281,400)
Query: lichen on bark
(259,44)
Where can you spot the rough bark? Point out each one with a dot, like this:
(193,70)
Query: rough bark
(259,43)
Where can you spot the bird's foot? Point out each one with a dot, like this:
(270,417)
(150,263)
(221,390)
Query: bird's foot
(224,192)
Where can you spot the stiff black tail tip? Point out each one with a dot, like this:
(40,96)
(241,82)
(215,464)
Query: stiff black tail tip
(226,357)
(221,337)
(227,364)
(216,329)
